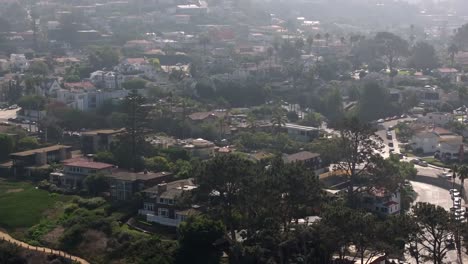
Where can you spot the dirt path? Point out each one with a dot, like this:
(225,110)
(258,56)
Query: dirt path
(5,237)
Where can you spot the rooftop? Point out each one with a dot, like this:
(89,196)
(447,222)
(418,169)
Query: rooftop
(205,115)
(299,127)
(173,189)
(102,132)
(133,176)
(88,164)
(39,150)
(301,156)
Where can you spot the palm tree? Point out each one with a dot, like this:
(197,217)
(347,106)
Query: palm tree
(310,43)
(343,40)
(462,175)
(204,40)
(270,51)
(327,38)
(278,119)
(452,50)
(251,124)
(454,175)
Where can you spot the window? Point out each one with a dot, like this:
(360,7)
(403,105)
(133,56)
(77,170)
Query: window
(162,201)
(170,201)
(163,212)
(148,206)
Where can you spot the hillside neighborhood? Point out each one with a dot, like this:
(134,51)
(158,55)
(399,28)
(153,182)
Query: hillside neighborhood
(233,131)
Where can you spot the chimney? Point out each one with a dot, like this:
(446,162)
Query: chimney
(162,187)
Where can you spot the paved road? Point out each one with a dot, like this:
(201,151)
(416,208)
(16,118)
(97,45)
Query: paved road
(5,114)
(8,238)
(432,194)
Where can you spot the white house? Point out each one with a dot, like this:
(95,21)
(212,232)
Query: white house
(87,97)
(137,65)
(4,65)
(382,201)
(426,141)
(18,62)
(436,118)
(107,79)
(302,133)
(444,143)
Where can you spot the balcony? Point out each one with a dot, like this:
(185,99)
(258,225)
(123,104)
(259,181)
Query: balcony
(162,220)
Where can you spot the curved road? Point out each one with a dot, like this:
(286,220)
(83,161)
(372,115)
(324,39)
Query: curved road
(7,238)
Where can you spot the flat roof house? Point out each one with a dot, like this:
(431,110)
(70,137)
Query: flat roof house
(76,170)
(123,184)
(36,158)
(302,133)
(310,160)
(98,140)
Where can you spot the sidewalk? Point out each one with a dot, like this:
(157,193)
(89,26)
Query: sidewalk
(5,237)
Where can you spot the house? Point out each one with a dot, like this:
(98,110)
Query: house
(381,201)
(85,97)
(98,140)
(160,202)
(4,65)
(107,79)
(36,158)
(200,148)
(210,116)
(425,141)
(47,87)
(76,170)
(18,62)
(137,65)
(123,184)
(310,160)
(191,9)
(447,73)
(443,143)
(139,44)
(436,118)
(302,133)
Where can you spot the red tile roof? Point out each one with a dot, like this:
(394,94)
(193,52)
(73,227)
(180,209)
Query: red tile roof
(390,203)
(83,85)
(136,60)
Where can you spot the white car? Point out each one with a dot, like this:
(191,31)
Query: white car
(457,200)
(452,191)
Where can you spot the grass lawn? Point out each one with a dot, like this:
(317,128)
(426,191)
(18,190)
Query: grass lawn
(22,206)
(436,162)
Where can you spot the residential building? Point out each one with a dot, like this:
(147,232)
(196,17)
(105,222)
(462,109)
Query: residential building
(445,144)
(48,87)
(137,66)
(87,98)
(200,148)
(436,118)
(449,73)
(18,62)
(382,202)
(98,140)
(76,170)
(160,202)
(302,133)
(310,160)
(41,156)
(124,184)
(107,79)
(425,141)
(207,116)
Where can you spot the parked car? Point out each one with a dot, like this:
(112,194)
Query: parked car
(445,175)
(423,163)
(390,144)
